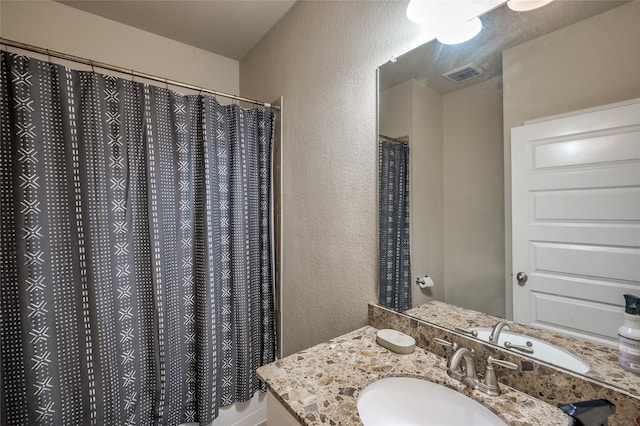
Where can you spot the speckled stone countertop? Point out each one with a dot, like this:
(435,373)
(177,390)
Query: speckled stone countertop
(538,379)
(602,361)
(321,385)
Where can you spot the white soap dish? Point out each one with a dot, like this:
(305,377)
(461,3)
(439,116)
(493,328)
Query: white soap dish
(396,341)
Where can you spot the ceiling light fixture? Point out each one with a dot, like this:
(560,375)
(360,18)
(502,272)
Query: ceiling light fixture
(439,12)
(525,5)
(450,20)
(432,13)
(460,32)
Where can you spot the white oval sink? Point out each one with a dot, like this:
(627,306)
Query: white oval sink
(541,350)
(405,401)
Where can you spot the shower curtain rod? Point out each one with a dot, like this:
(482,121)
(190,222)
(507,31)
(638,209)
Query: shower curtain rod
(396,140)
(133,73)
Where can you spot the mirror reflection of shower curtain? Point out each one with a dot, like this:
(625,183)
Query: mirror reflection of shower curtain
(394,254)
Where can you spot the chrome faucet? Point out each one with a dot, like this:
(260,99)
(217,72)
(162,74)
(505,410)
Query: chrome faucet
(462,366)
(466,372)
(494,337)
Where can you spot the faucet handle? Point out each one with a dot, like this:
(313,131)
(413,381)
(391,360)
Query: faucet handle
(446,344)
(472,332)
(506,364)
(524,349)
(490,385)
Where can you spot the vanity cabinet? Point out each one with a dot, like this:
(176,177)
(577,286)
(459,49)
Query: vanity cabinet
(277,414)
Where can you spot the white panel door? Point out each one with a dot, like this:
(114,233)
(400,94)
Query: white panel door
(576,220)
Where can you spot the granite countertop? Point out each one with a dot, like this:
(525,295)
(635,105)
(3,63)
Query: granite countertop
(321,385)
(602,360)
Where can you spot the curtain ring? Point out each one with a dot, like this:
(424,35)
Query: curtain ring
(166,84)
(132,76)
(93,70)
(49,55)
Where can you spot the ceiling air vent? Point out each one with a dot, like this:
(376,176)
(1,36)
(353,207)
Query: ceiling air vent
(463,73)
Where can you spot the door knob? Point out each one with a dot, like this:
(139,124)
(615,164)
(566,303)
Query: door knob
(522,278)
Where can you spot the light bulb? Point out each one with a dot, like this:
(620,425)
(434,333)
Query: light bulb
(460,32)
(525,5)
(432,12)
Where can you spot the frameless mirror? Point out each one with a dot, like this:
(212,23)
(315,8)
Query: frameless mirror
(456,106)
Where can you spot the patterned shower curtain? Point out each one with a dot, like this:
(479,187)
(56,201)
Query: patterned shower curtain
(135,263)
(394,263)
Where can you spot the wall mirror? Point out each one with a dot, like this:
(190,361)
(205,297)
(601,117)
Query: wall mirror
(456,106)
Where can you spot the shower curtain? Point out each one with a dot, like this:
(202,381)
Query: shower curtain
(135,269)
(394,263)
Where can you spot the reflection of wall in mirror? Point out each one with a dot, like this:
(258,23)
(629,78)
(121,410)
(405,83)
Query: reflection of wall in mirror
(588,64)
(473,203)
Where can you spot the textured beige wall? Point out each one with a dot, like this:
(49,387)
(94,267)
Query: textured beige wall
(322,58)
(54,26)
(591,63)
(473,198)
(414,110)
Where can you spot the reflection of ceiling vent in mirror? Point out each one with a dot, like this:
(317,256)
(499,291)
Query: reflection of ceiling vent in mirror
(463,73)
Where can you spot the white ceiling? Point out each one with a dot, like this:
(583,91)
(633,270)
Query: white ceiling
(229,28)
